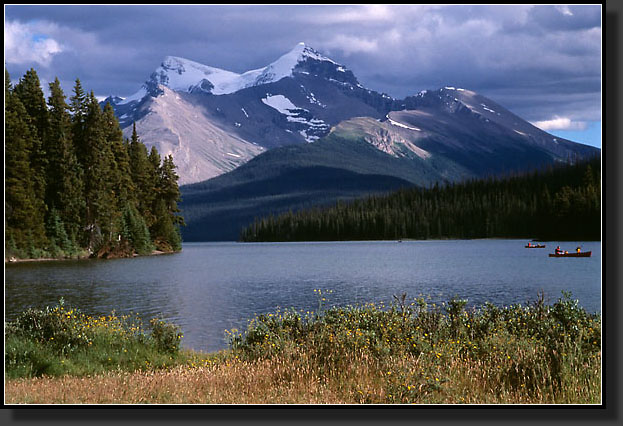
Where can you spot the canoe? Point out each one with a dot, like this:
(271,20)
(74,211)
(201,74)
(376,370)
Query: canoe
(572,254)
(543,246)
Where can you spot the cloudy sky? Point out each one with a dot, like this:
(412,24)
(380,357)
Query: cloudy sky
(541,62)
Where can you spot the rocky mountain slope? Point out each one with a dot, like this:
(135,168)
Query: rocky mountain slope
(296,99)
(475,134)
(212,120)
(303,131)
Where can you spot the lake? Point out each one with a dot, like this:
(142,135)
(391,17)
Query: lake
(211,287)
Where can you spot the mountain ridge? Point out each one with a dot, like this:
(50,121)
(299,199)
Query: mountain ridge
(181,74)
(303,96)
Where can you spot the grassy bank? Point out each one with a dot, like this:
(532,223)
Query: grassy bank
(410,352)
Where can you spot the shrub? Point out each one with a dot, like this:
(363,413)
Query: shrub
(63,340)
(420,353)
(167,337)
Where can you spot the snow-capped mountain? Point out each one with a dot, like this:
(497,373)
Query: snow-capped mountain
(184,75)
(445,135)
(213,120)
(474,135)
(295,99)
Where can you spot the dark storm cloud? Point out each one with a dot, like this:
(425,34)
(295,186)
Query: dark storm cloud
(538,61)
(565,18)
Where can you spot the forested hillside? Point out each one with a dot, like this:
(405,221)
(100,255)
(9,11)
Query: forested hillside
(74,186)
(560,203)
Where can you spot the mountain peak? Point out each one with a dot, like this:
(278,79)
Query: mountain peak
(303,51)
(286,64)
(185,75)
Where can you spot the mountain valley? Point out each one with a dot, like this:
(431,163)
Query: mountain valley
(303,131)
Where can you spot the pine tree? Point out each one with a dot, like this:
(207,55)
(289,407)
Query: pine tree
(29,92)
(60,244)
(79,110)
(169,189)
(142,177)
(64,175)
(165,229)
(98,190)
(121,175)
(24,211)
(135,231)
(152,194)
(72,181)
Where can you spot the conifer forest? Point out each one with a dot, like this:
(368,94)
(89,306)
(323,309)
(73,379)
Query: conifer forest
(74,186)
(560,203)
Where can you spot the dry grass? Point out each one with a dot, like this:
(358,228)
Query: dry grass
(281,380)
(534,354)
(233,382)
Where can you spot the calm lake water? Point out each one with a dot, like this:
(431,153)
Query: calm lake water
(211,287)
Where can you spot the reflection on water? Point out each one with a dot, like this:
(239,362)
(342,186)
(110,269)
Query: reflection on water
(211,287)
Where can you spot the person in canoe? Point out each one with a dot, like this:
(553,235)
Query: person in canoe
(558,250)
(529,245)
(578,249)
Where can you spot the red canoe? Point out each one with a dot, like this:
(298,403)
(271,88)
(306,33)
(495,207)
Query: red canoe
(572,254)
(543,246)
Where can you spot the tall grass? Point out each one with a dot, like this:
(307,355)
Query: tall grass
(64,341)
(418,353)
(409,352)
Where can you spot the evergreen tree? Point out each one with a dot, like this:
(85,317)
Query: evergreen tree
(24,211)
(79,110)
(29,92)
(165,229)
(60,244)
(142,177)
(135,231)
(152,194)
(72,181)
(64,175)
(121,174)
(169,189)
(98,191)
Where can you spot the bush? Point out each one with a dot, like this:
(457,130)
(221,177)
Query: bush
(420,352)
(167,337)
(63,340)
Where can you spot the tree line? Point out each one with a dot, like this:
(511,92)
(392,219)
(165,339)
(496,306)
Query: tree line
(74,185)
(558,203)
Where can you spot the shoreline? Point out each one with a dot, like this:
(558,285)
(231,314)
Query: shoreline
(400,239)
(14,260)
(403,357)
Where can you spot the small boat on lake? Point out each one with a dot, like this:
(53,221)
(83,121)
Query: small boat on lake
(572,254)
(535,246)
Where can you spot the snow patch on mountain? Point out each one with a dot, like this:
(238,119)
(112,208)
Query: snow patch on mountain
(458,89)
(280,103)
(313,127)
(486,108)
(308,138)
(135,97)
(311,97)
(404,126)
